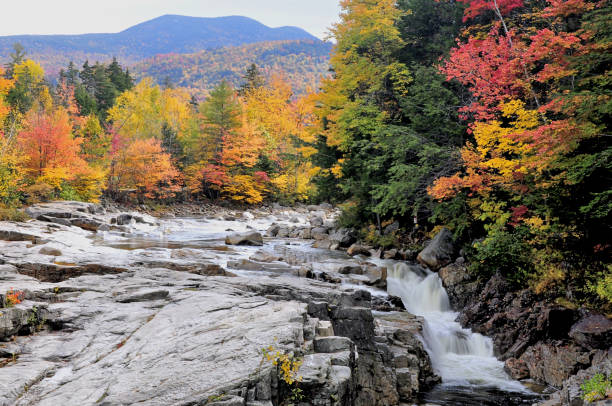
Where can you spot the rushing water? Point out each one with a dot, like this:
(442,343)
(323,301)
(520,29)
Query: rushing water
(471,375)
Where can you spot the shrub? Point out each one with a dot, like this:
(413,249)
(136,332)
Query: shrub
(12,214)
(596,388)
(504,252)
(39,192)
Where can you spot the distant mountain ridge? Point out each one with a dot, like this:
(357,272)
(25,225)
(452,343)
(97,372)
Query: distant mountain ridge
(162,35)
(302,62)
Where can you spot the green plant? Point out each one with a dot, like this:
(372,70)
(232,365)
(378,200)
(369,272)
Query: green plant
(13,297)
(69,193)
(288,366)
(504,252)
(596,388)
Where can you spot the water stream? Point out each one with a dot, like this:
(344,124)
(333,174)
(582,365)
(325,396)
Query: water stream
(471,375)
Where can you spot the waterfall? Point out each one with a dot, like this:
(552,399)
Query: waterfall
(459,356)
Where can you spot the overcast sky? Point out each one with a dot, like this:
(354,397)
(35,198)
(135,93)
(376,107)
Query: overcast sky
(102,16)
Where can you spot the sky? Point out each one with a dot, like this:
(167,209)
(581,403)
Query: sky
(108,16)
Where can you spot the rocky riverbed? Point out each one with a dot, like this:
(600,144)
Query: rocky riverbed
(123,308)
(110,317)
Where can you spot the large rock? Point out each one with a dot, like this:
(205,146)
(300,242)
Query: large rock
(344,237)
(439,252)
(250,238)
(554,363)
(357,249)
(593,332)
(458,283)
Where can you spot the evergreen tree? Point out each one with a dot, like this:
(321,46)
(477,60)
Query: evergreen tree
(16,58)
(221,113)
(253,79)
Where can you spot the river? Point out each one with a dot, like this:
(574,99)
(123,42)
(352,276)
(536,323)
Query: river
(471,375)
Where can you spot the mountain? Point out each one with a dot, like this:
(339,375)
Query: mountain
(162,35)
(303,63)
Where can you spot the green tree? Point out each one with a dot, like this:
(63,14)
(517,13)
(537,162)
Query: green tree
(221,116)
(253,79)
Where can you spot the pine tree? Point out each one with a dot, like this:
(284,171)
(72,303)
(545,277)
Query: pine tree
(253,79)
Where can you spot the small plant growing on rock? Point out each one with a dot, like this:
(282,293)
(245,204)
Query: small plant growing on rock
(596,388)
(13,297)
(288,366)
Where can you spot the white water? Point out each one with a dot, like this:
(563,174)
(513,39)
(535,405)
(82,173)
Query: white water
(460,356)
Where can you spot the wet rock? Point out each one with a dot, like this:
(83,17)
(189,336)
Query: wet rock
(377,276)
(439,252)
(391,254)
(593,332)
(263,256)
(458,284)
(123,219)
(357,249)
(283,232)
(351,269)
(249,238)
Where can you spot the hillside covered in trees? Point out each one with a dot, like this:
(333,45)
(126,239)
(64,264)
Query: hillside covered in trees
(162,35)
(303,63)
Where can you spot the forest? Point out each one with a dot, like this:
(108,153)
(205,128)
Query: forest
(489,118)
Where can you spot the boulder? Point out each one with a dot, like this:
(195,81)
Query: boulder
(324,328)
(516,368)
(554,363)
(351,269)
(86,224)
(333,344)
(377,276)
(123,219)
(319,233)
(53,252)
(344,237)
(357,249)
(316,221)
(272,231)
(322,244)
(249,238)
(391,254)
(263,256)
(593,332)
(439,252)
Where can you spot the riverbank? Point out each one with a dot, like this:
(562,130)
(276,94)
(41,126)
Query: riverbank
(168,299)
